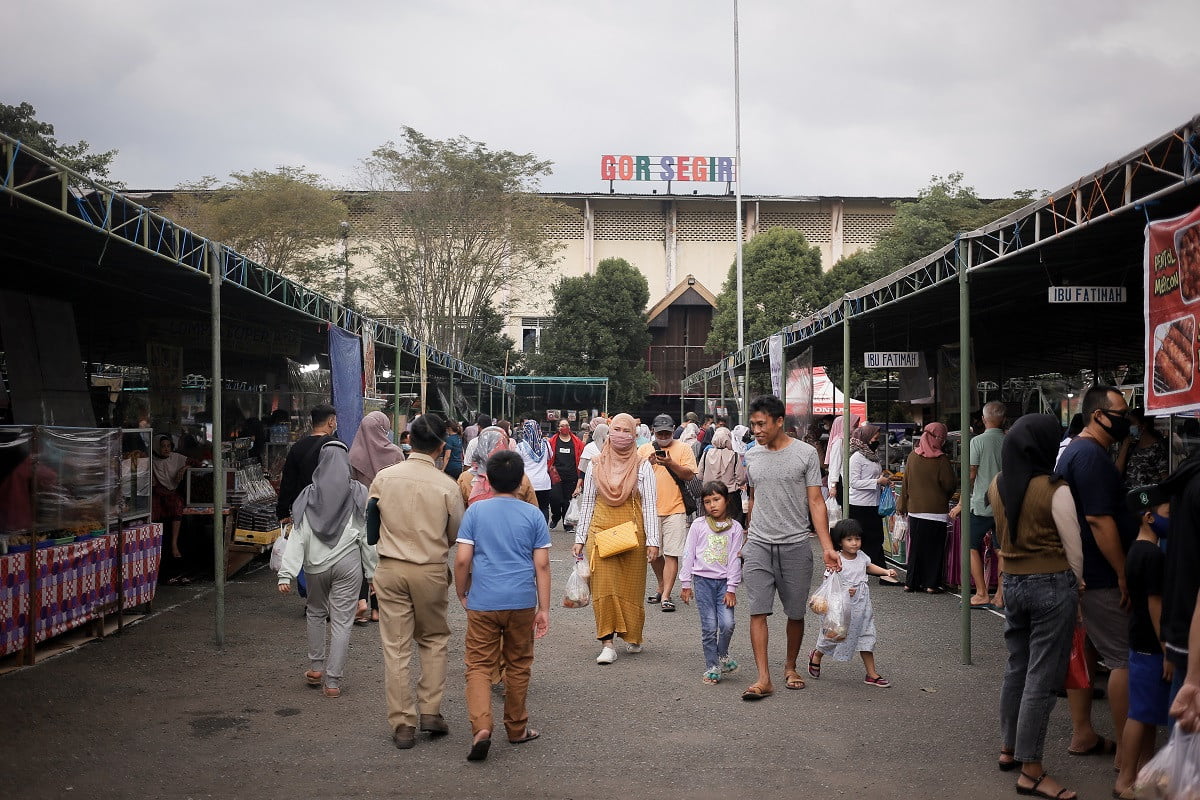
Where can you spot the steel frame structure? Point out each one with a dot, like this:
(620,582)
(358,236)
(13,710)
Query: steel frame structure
(1134,181)
(106,211)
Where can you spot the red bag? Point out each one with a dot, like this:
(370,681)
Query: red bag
(1077,671)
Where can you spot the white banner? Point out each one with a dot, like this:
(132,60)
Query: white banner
(775,351)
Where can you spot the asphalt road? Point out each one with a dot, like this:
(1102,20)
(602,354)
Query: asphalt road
(161,712)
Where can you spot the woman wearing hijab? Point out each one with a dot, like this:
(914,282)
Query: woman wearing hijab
(866,481)
(643,435)
(535,452)
(619,487)
(473,482)
(929,483)
(722,463)
(371,452)
(834,452)
(329,542)
(1043,578)
(590,451)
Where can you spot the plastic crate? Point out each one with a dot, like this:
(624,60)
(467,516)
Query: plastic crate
(256,537)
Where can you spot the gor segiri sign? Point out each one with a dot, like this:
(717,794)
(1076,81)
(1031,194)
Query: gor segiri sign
(666,168)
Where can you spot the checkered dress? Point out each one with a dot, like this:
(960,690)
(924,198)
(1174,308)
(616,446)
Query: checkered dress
(618,582)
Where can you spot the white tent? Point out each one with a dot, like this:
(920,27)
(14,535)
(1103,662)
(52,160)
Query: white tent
(828,400)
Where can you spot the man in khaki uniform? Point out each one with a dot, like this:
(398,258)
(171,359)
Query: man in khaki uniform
(418,509)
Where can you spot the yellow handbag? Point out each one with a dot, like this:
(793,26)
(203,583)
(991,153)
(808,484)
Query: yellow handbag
(614,541)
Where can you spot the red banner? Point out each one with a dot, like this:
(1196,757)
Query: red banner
(1172,292)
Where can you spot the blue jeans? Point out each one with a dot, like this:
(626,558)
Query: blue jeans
(1039,612)
(716,618)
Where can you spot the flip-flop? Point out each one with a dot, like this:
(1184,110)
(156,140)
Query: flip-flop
(792,680)
(981,606)
(755,692)
(1102,747)
(814,667)
(530,735)
(479,750)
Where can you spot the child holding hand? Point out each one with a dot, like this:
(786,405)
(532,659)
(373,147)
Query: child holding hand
(856,566)
(711,572)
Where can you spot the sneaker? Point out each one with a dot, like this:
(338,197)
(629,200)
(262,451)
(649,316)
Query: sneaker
(607,656)
(630,647)
(879,680)
(728,665)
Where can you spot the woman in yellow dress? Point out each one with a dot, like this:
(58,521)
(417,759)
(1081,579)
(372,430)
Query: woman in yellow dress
(619,487)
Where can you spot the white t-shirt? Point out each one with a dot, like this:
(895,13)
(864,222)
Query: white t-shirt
(537,470)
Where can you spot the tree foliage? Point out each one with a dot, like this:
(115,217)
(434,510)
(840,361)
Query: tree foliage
(599,328)
(487,346)
(20,122)
(287,220)
(782,282)
(458,224)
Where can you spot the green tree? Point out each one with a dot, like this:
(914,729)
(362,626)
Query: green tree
(21,123)
(288,220)
(599,328)
(487,346)
(457,224)
(782,282)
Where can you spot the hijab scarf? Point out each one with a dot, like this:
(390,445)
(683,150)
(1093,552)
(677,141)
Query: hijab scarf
(616,471)
(932,439)
(531,434)
(489,442)
(1029,450)
(373,450)
(837,431)
(328,503)
(600,435)
(739,433)
(860,441)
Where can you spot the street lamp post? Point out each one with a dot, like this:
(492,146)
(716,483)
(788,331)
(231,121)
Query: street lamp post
(345,227)
(737,188)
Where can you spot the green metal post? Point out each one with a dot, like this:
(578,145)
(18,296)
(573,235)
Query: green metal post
(214,276)
(964,423)
(396,389)
(478,399)
(721,380)
(844,482)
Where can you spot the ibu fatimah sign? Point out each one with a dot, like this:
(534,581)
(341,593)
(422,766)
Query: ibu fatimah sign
(1172,300)
(701,169)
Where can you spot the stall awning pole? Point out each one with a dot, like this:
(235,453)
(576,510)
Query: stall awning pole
(844,480)
(214,274)
(396,390)
(424,381)
(964,453)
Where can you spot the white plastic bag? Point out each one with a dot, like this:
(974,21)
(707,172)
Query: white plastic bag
(572,515)
(278,548)
(578,594)
(833,510)
(1174,772)
(831,600)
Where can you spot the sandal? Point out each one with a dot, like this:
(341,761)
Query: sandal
(654,599)
(1033,790)
(1007,766)
(713,676)
(756,692)
(479,748)
(792,680)
(1102,747)
(668,606)
(530,735)
(878,680)
(814,666)
(313,678)
(331,692)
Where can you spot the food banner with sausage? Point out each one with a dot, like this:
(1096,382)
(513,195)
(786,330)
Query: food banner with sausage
(1172,305)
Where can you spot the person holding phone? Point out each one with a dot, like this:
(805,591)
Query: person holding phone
(673,461)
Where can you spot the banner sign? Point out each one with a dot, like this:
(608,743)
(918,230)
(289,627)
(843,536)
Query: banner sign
(775,351)
(345,370)
(667,168)
(1172,290)
(799,399)
(1087,294)
(891,360)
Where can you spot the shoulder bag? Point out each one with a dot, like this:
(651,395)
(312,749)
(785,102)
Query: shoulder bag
(616,540)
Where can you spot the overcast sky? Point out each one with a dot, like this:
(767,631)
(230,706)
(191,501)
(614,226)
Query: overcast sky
(840,97)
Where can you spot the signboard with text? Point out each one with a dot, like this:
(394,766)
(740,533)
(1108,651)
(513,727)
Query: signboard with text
(1087,294)
(705,169)
(1172,300)
(891,360)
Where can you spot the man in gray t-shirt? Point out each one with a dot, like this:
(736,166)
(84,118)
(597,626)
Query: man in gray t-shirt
(786,508)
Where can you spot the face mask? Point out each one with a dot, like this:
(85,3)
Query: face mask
(406,448)
(873,445)
(620,440)
(1118,426)
(1160,525)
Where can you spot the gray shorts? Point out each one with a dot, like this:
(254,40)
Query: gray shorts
(674,534)
(785,569)
(1107,626)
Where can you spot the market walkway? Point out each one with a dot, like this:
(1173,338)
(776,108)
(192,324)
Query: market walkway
(159,713)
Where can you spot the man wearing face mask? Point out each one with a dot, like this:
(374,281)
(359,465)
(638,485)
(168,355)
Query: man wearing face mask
(673,461)
(1107,529)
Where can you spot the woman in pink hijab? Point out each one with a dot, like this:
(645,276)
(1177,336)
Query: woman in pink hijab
(929,483)
(834,451)
(371,452)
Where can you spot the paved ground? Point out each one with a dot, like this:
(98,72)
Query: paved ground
(160,712)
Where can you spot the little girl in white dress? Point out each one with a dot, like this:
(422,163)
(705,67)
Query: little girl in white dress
(856,566)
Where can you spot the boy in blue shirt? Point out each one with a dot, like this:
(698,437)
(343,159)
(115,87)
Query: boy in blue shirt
(502,576)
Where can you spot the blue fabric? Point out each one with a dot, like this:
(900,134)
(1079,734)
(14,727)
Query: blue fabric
(454,455)
(346,374)
(716,619)
(1149,694)
(505,531)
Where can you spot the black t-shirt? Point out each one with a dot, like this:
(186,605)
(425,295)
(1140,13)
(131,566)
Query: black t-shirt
(1144,567)
(1099,492)
(1183,567)
(298,470)
(564,459)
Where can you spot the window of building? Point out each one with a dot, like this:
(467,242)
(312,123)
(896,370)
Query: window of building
(531,333)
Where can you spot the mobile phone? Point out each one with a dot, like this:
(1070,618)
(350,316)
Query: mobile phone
(658,451)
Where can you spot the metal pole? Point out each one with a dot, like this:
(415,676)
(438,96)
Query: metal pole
(214,276)
(737,175)
(844,467)
(424,381)
(606,397)
(450,396)
(396,390)
(964,423)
